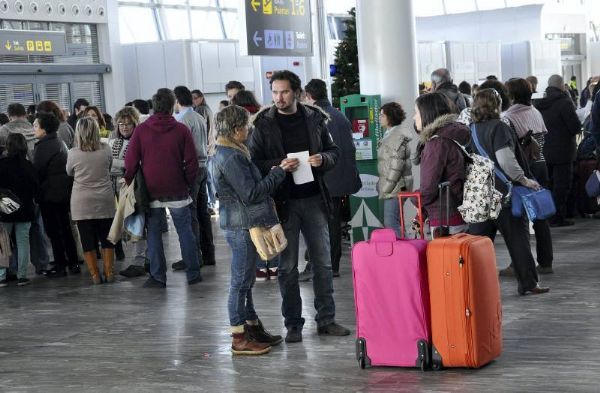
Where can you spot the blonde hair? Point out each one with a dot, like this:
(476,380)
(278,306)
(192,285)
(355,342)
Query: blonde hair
(87,134)
(129,113)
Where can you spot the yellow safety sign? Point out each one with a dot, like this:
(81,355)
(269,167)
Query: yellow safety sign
(268,7)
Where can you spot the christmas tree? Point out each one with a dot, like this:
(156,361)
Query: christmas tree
(346,79)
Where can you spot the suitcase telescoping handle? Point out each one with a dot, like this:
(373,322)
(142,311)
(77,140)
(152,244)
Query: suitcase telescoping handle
(402,196)
(443,230)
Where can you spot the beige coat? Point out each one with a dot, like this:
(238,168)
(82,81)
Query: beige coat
(393,164)
(125,208)
(92,196)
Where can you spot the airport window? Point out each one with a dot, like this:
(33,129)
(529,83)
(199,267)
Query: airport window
(137,24)
(231,23)
(176,24)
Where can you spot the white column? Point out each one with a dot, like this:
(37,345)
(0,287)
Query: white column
(111,53)
(387,57)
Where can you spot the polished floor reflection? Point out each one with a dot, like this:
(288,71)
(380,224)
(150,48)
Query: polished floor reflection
(65,335)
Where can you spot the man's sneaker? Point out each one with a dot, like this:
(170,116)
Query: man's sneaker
(178,266)
(3,283)
(336,274)
(22,281)
(507,272)
(195,280)
(333,329)
(544,270)
(133,271)
(273,273)
(262,275)
(152,283)
(294,335)
(259,334)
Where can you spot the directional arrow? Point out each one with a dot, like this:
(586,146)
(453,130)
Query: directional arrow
(256,38)
(7,45)
(255,4)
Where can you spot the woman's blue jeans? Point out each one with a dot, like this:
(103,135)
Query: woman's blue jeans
(243,275)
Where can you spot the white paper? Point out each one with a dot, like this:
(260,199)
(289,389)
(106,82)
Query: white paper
(304,173)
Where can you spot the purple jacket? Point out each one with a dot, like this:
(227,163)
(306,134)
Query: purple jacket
(165,149)
(442,160)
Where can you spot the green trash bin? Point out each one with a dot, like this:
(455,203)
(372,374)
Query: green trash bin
(366,207)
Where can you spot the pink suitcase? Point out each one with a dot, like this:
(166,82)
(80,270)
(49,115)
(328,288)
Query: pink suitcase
(391,296)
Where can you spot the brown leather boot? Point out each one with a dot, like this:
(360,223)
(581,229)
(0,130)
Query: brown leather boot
(108,257)
(90,261)
(241,345)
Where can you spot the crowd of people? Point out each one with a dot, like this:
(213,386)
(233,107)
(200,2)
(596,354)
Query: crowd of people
(67,171)
(535,140)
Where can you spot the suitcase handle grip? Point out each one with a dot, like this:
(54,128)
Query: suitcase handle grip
(383,235)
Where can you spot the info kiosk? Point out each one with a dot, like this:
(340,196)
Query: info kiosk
(366,208)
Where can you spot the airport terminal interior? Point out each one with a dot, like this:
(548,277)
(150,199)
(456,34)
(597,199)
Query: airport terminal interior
(79,314)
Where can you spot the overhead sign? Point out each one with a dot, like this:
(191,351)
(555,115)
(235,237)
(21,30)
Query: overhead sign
(277,28)
(31,42)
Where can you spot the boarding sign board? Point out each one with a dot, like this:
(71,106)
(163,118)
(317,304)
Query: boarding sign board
(276,28)
(31,42)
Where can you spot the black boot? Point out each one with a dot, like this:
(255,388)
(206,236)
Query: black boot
(259,334)
(119,253)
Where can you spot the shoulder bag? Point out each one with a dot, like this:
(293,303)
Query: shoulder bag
(538,205)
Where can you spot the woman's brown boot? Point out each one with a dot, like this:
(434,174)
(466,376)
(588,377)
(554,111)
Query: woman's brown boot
(90,261)
(242,345)
(108,256)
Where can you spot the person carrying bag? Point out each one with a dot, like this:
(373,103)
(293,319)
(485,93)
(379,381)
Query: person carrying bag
(248,218)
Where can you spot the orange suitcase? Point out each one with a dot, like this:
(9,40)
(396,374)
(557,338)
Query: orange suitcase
(466,313)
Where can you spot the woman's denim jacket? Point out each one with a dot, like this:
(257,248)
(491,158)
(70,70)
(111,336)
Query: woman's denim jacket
(244,196)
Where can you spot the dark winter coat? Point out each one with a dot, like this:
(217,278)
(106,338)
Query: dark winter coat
(244,195)
(50,162)
(165,150)
(442,160)
(267,151)
(343,178)
(451,91)
(562,123)
(19,176)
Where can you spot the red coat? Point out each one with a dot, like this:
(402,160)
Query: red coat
(167,154)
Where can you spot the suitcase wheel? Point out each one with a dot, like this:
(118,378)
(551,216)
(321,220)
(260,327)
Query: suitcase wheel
(362,363)
(361,353)
(436,360)
(423,351)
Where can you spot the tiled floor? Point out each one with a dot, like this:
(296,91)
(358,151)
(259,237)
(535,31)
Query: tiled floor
(65,335)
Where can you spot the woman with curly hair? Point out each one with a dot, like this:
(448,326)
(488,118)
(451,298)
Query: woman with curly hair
(393,163)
